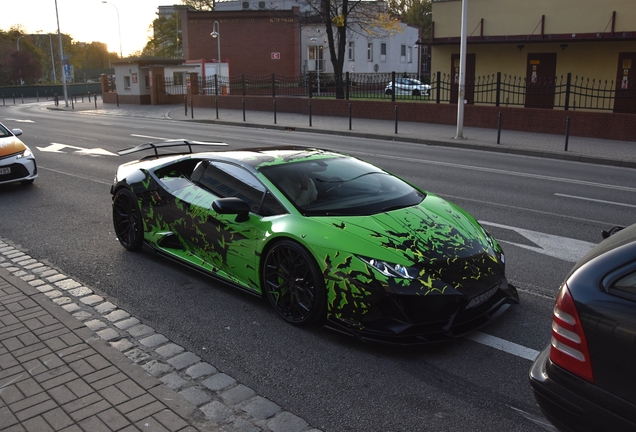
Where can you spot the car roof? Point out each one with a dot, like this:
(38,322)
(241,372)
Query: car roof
(620,238)
(254,158)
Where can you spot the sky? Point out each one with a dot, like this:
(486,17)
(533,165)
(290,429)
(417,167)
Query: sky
(87,20)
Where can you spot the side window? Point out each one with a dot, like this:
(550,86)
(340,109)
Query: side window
(625,287)
(227,180)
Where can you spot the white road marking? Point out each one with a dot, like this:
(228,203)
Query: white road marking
(57,148)
(19,120)
(564,248)
(504,345)
(595,200)
(151,137)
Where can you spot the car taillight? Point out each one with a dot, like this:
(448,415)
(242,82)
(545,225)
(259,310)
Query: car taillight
(569,346)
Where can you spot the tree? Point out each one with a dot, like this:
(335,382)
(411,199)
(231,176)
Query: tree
(200,5)
(343,17)
(18,66)
(25,67)
(414,12)
(166,39)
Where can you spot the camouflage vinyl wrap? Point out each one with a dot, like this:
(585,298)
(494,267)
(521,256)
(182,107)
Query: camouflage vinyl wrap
(450,257)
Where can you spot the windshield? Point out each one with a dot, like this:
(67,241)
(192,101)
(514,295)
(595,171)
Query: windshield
(341,186)
(4,132)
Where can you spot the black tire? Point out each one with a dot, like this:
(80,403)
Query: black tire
(388,92)
(127,220)
(27,182)
(416,93)
(294,285)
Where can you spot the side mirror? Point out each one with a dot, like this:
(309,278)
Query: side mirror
(611,232)
(232,205)
(16,132)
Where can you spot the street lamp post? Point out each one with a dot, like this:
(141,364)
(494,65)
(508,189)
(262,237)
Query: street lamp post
(17,42)
(217,35)
(59,39)
(118,27)
(52,59)
(318,64)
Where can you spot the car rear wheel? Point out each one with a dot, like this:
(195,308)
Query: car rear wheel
(294,285)
(127,220)
(416,93)
(388,92)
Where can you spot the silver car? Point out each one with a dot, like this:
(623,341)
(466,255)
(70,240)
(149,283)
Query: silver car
(408,86)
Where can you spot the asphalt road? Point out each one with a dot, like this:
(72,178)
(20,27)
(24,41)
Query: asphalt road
(546,213)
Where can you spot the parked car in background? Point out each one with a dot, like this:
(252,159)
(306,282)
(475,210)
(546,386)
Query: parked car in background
(17,163)
(585,380)
(408,86)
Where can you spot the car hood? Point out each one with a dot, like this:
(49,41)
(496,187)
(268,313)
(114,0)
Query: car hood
(11,145)
(431,233)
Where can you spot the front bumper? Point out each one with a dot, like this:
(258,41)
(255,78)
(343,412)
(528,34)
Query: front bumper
(419,320)
(573,404)
(19,169)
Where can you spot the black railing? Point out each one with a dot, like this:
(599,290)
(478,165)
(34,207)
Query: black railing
(566,92)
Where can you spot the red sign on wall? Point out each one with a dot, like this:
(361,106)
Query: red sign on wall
(275,56)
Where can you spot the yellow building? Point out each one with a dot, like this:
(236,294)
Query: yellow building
(542,40)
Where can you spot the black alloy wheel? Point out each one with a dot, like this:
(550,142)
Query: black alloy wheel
(127,220)
(294,285)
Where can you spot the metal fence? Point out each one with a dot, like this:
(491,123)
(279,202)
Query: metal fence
(565,92)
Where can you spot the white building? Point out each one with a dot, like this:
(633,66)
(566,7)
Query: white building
(395,52)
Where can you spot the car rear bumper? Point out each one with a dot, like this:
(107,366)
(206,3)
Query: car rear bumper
(573,404)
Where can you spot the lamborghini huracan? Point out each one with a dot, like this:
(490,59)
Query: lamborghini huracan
(325,237)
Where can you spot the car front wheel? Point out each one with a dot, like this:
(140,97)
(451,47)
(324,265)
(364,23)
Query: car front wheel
(294,285)
(127,220)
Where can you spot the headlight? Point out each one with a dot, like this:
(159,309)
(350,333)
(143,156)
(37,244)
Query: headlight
(390,269)
(25,153)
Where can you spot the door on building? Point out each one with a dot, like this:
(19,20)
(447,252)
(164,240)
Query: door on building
(540,80)
(470,79)
(625,101)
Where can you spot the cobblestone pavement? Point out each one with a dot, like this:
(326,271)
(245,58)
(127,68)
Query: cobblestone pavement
(72,361)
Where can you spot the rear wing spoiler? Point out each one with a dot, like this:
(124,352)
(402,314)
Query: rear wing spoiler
(166,144)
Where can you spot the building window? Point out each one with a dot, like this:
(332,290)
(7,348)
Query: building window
(177,78)
(351,51)
(147,81)
(382,52)
(409,55)
(126,83)
(370,52)
(402,53)
(315,62)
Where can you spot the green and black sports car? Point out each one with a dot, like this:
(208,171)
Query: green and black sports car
(325,237)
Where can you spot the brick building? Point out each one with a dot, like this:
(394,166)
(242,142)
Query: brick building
(251,41)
